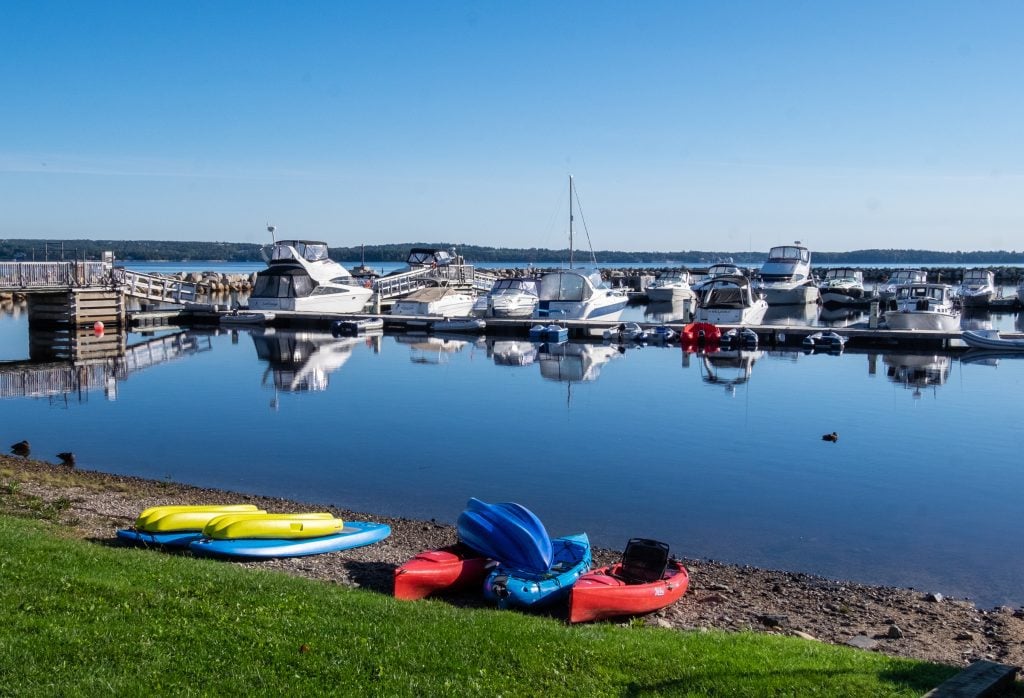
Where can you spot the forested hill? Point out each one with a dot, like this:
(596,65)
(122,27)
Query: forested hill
(165,250)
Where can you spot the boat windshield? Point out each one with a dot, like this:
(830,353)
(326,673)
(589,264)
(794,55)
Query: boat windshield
(789,253)
(300,249)
(564,286)
(505,286)
(976,276)
(282,283)
(908,292)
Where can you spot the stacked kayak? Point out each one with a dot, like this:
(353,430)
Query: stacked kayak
(513,587)
(646,580)
(243,531)
(177,526)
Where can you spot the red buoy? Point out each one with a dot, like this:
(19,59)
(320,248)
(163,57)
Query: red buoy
(98,328)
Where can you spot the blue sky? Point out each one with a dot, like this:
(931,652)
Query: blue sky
(687,125)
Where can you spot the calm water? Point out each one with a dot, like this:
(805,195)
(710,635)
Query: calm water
(722,457)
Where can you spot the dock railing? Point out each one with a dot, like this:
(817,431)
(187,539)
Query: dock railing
(25,276)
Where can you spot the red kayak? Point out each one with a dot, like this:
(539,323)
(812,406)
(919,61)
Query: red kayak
(603,593)
(454,567)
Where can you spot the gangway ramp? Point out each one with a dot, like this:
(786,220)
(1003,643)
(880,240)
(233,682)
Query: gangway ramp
(463,275)
(152,287)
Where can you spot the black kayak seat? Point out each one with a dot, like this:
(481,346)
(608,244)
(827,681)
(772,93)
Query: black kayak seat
(644,560)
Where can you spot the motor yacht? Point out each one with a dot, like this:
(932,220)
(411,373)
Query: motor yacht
(785,277)
(671,286)
(300,277)
(714,271)
(924,307)
(887,289)
(843,286)
(435,301)
(515,297)
(977,288)
(731,301)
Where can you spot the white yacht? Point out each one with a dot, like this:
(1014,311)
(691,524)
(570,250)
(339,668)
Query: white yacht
(571,294)
(714,271)
(672,286)
(842,286)
(924,307)
(731,301)
(887,289)
(300,277)
(785,277)
(515,297)
(435,301)
(977,288)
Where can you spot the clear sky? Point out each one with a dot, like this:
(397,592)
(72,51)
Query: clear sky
(687,125)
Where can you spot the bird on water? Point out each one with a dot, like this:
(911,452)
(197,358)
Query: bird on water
(67,458)
(833,437)
(22,448)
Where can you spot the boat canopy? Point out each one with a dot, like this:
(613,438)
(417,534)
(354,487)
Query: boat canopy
(570,286)
(282,282)
(789,252)
(305,249)
(425,256)
(516,284)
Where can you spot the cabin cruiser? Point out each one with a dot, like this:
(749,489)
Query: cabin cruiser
(515,297)
(574,295)
(977,288)
(842,286)
(887,289)
(785,277)
(714,271)
(731,301)
(671,286)
(924,307)
(300,277)
(444,301)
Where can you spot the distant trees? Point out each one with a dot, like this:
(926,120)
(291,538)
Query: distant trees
(165,250)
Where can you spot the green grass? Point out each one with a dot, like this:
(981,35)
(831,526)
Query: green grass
(80,618)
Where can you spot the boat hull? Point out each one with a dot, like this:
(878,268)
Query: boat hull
(601,594)
(751,315)
(354,535)
(514,588)
(672,295)
(789,295)
(452,568)
(922,320)
(992,340)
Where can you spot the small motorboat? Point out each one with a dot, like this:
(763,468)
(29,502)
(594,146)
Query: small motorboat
(471,325)
(512,587)
(662,334)
(646,580)
(991,339)
(352,328)
(624,332)
(242,317)
(825,341)
(507,532)
(450,568)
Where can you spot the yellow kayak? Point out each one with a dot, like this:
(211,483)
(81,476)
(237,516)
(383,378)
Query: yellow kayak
(235,526)
(186,517)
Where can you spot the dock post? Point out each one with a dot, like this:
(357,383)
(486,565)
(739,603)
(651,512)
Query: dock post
(873,316)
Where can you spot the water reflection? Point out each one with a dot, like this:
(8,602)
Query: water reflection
(791,315)
(976,319)
(669,311)
(301,361)
(728,369)
(841,316)
(431,349)
(512,352)
(574,362)
(917,371)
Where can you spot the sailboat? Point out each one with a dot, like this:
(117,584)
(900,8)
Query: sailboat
(572,294)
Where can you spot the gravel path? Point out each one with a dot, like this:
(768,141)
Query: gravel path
(893,621)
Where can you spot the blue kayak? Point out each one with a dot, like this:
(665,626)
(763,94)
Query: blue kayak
(353,535)
(511,587)
(507,532)
(172,539)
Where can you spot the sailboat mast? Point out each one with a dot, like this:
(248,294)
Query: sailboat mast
(570,221)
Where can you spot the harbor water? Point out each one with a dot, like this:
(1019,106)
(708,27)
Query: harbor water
(720,455)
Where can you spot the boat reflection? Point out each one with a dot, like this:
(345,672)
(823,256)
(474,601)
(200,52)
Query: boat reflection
(800,315)
(431,349)
(301,361)
(917,371)
(512,352)
(841,316)
(670,311)
(574,362)
(728,368)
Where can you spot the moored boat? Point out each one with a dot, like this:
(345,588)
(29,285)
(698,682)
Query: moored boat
(785,277)
(644,581)
(730,300)
(977,288)
(434,301)
(924,307)
(515,587)
(843,286)
(901,277)
(672,286)
(508,298)
(991,339)
(451,568)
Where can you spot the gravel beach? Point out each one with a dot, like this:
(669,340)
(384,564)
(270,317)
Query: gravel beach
(901,622)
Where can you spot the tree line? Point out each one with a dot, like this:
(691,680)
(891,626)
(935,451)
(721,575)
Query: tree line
(188,251)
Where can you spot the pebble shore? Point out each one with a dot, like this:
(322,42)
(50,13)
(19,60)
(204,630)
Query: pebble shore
(893,621)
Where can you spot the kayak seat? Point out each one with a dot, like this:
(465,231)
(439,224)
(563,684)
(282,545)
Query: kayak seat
(644,560)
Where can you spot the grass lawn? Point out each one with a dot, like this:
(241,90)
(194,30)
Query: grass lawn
(80,618)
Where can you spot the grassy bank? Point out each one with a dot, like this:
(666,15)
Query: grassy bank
(82,617)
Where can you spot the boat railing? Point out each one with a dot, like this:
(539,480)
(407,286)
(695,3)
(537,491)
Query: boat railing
(155,288)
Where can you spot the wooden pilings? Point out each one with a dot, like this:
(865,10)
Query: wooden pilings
(76,307)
